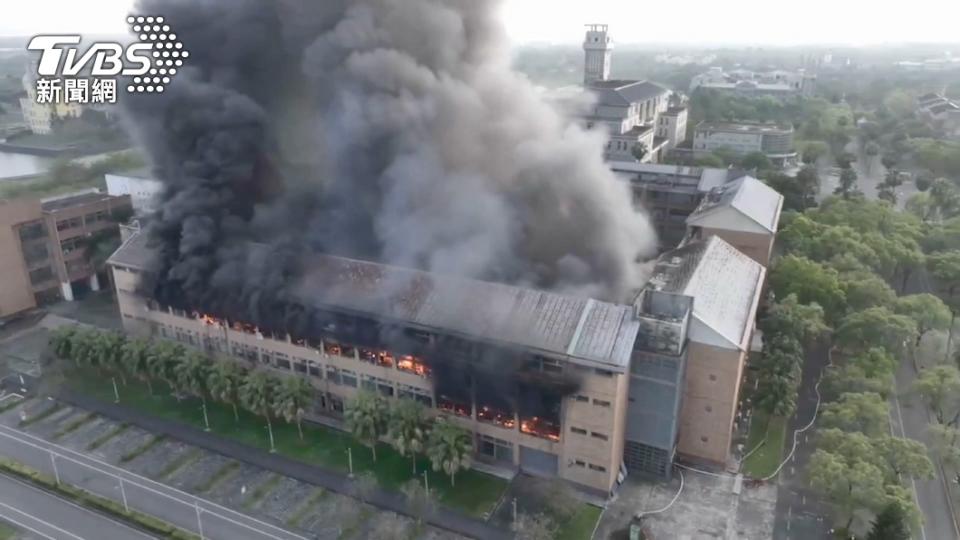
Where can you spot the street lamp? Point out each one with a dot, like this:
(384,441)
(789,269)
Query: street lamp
(349,463)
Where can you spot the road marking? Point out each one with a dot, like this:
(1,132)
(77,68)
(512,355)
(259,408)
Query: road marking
(903,435)
(77,506)
(38,520)
(25,526)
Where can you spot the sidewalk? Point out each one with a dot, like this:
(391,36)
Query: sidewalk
(442,518)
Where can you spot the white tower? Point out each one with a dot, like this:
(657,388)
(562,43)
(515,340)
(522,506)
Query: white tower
(597,48)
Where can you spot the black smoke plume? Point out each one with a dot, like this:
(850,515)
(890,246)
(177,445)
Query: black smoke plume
(385,130)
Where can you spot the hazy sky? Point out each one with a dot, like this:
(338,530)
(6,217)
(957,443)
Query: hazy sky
(783,22)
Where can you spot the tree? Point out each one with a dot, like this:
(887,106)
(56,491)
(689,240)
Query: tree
(797,195)
(811,282)
(365,485)
(535,527)
(813,151)
(756,161)
(294,395)
(224,383)
(945,442)
(366,417)
(939,387)
(865,289)
(778,375)
(863,412)
(710,161)
(850,485)
(890,524)
(136,359)
(809,181)
(418,499)
(163,359)
(788,316)
(904,457)
(257,395)
(407,431)
(875,326)
(926,310)
(639,151)
(847,184)
(191,376)
(62,340)
(449,448)
(945,268)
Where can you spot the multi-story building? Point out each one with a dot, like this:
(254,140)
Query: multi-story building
(670,193)
(40,117)
(45,244)
(940,113)
(140,185)
(744,138)
(644,120)
(778,83)
(553,385)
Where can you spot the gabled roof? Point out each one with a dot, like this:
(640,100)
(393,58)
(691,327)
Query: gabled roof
(748,196)
(594,332)
(724,283)
(621,93)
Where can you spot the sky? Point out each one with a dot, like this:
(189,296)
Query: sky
(707,22)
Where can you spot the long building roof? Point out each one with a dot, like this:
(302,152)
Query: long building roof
(747,195)
(623,93)
(591,331)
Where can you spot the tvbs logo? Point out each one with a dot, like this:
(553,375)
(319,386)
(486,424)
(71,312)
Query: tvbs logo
(69,75)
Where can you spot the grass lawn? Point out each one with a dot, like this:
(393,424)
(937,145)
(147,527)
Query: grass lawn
(7,532)
(765,460)
(475,493)
(582,524)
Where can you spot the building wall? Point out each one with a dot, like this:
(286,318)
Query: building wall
(70,226)
(590,448)
(16,292)
(711,390)
(741,143)
(142,191)
(758,247)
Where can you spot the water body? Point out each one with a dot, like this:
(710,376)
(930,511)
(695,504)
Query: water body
(12,165)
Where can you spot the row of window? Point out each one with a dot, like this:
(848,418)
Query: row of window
(592,466)
(598,402)
(594,434)
(89,219)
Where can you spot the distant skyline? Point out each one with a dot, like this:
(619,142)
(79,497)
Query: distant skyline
(707,22)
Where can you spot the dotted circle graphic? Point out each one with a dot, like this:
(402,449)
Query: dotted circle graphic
(167,53)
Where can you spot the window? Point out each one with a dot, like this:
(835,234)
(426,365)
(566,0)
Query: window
(70,245)
(41,275)
(315,369)
(598,468)
(604,372)
(71,223)
(348,378)
(580,463)
(333,375)
(578,431)
(299,365)
(33,231)
(601,403)
(412,392)
(495,448)
(581,398)
(600,436)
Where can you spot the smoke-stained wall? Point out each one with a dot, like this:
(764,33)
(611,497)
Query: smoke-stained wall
(390,130)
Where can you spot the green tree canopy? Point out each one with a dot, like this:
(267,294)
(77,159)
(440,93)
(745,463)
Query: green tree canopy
(939,387)
(875,326)
(810,282)
(863,412)
(366,417)
(449,448)
(890,524)
(926,310)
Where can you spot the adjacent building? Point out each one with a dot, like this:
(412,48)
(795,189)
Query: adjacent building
(778,83)
(644,120)
(742,138)
(144,190)
(940,113)
(40,117)
(46,246)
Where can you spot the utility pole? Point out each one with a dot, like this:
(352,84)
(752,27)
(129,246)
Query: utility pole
(349,462)
(514,510)
(426,484)
(116,393)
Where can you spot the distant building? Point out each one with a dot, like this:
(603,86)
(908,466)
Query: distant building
(140,185)
(637,114)
(940,113)
(745,138)
(40,117)
(44,246)
(777,83)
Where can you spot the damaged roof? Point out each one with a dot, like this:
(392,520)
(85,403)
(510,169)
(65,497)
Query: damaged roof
(748,196)
(594,332)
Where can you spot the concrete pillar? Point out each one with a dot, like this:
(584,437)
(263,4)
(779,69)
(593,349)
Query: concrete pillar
(94,283)
(66,290)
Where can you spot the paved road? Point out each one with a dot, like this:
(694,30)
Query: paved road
(169,504)
(799,515)
(49,517)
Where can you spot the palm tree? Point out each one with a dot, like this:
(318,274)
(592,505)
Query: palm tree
(163,358)
(83,348)
(257,395)
(191,377)
(366,418)
(224,383)
(108,347)
(449,448)
(136,361)
(293,397)
(407,431)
